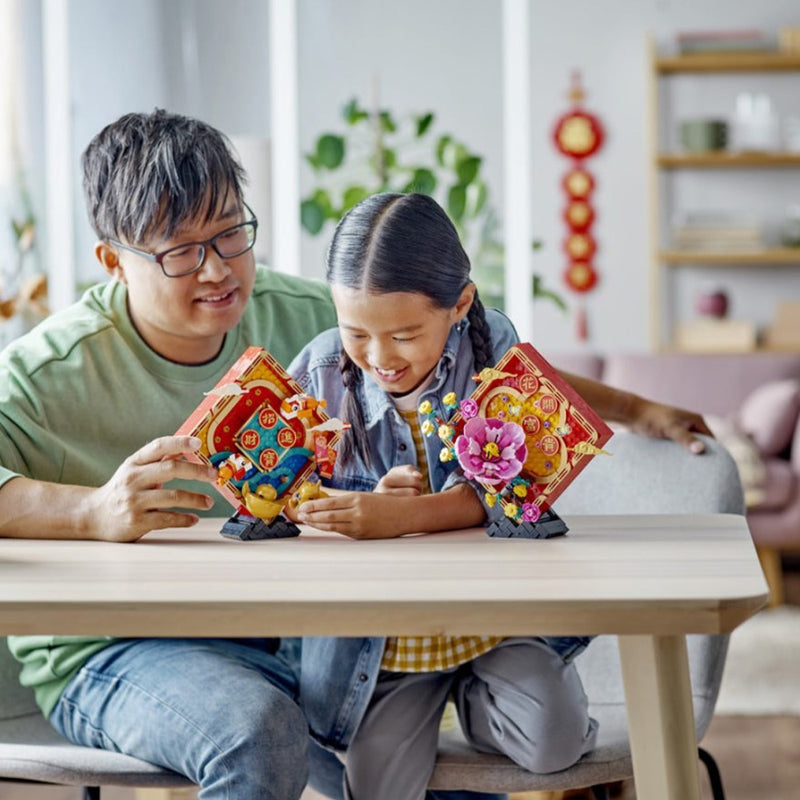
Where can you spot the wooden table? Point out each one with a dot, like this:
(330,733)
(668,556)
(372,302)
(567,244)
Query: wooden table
(649,579)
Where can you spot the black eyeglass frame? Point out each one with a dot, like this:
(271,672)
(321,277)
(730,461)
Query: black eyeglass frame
(212,242)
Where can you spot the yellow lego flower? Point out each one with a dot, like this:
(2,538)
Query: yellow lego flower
(511,511)
(425,407)
(449,399)
(445,433)
(445,454)
(427,427)
(490,499)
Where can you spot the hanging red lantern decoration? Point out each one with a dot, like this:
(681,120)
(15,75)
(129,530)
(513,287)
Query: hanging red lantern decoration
(578,135)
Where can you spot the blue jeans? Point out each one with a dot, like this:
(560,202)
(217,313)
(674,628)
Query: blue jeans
(221,712)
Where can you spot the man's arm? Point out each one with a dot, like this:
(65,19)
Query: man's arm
(132,503)
(641,415)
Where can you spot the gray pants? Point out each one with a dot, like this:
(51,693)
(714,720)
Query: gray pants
(521,699)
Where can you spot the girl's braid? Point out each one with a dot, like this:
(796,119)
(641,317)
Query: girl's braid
(355,442)
(480,335)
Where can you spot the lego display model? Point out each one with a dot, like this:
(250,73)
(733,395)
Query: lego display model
(523,435)
(268,441)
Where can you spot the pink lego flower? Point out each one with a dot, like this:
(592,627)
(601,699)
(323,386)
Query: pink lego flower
(469,408)
(491,451)
(530,512)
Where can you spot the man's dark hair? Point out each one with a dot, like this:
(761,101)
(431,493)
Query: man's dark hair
(153,173)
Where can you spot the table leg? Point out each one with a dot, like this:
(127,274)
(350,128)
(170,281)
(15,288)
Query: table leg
(658,696)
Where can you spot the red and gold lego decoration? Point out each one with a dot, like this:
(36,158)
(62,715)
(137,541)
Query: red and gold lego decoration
(578,135)
(524,434)
(265,437)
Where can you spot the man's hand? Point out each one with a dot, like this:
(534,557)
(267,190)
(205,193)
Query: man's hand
(404,481)
(667,422)
(135,501)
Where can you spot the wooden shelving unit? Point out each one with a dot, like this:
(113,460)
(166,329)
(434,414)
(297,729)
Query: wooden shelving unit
(727,62)
(725,160)
(776,256)
(666,260)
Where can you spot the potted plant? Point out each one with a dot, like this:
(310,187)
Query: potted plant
(381,152)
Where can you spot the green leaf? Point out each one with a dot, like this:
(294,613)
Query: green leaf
(353,113)
(330,150)
(477,193)
(314,161)
(387,122)
(537,244)
(352,196)
(423,123)
(441,147)
(456,202)
(312,216)
(423,181)
(467,169)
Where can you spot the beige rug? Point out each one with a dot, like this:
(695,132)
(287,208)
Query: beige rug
(762,671)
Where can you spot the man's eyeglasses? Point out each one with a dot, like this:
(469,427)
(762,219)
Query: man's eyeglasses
(184,259)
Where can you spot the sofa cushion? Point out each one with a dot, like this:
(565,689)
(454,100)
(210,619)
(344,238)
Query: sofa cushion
(769,415)
(714,383)
(746,454)
(780,485)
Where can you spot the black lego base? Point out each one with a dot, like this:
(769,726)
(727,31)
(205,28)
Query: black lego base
(247,528)
(547,526)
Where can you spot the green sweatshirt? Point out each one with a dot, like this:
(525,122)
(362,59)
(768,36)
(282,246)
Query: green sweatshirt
(82,391)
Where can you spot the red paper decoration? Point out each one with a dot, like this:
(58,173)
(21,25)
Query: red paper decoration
(578,135)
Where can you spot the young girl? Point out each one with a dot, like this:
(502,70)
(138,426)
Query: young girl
(412,328)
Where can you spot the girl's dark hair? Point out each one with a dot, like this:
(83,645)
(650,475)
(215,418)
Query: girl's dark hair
(153,173)
(400,243)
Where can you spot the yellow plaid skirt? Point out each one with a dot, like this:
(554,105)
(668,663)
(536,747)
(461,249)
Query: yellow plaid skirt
(433,653)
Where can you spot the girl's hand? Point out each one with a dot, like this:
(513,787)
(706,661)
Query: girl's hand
(359,515)
(135,501)
(405,480)
(667,422)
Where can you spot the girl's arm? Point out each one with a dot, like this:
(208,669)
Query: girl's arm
(641,415)
(376,515)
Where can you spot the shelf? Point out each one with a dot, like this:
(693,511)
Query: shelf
(728,62)
(726,160)
(672,267)
(777,256)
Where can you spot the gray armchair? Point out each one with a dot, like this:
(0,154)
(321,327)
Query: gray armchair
(643,476)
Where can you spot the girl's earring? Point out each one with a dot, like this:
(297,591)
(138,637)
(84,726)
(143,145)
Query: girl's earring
(460,326)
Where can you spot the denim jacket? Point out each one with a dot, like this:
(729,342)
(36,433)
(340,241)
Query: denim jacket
(338,675)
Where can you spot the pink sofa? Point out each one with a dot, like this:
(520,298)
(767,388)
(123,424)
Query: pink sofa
(755,395)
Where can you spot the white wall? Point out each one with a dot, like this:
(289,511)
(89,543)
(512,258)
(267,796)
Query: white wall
(442,56)
(445,55)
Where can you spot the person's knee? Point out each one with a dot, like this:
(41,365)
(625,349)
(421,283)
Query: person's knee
(556,744)
(265,749)
(527,703)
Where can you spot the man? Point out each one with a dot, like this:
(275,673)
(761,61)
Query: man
(88,403)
